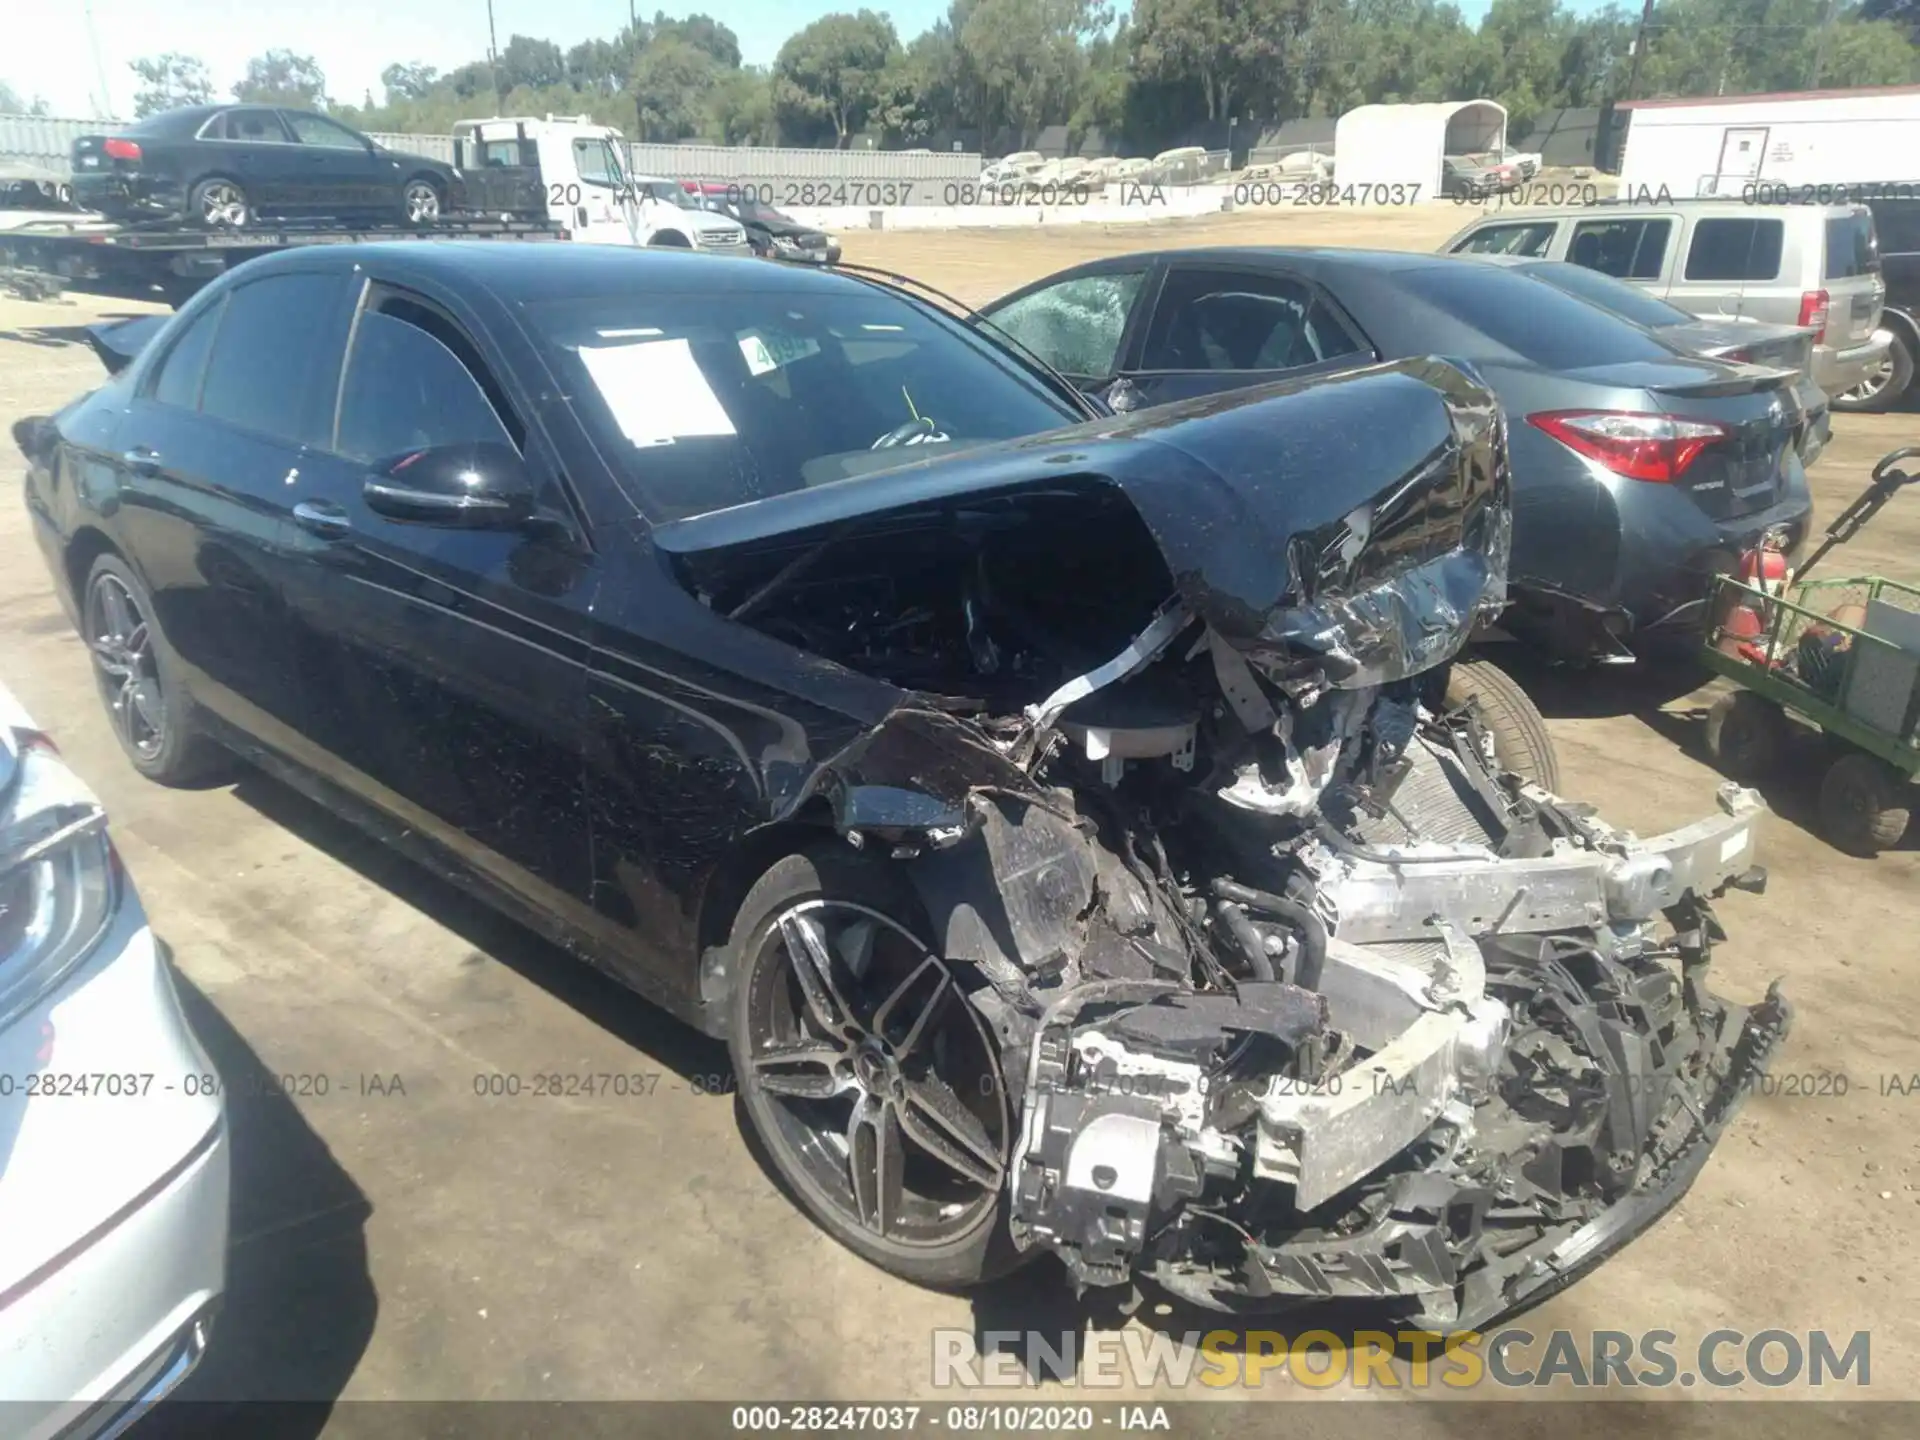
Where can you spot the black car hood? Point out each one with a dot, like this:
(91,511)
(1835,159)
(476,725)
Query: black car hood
(1352,527)
(787,229)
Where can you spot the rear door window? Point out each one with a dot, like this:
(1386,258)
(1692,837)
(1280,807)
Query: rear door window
(1228,320)
(177,381)
(1852,248)
(1077,325)
(1735,250)
(275,365)
(256,127)
(1531,238)
(1624,249)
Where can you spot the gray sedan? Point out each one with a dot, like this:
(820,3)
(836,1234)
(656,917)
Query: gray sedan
(1640,469)
(1753,342)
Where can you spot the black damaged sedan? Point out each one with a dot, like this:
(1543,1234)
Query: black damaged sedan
(1053,810)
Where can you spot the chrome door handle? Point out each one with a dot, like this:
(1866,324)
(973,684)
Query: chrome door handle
(322,518)
(141,461)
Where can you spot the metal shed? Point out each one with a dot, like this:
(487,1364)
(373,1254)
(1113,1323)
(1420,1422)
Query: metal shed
(1402,145)
(1728,144)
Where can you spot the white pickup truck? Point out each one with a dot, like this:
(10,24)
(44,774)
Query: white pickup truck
(574,171)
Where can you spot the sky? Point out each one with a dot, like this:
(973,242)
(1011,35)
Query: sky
(73,50)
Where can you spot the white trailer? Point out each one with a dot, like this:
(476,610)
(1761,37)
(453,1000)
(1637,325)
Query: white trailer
(1767,147)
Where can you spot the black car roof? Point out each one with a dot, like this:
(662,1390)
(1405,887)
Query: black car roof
(521,271)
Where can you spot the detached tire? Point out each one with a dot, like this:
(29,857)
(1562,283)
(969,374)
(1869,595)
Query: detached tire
(1518,730)
(1745,735)
(1863,804)
(845,1085)
(1885,391)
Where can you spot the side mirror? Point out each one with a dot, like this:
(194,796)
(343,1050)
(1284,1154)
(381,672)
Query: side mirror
(478,486)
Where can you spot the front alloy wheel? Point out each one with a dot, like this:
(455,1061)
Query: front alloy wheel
(125,667)
(868,1074)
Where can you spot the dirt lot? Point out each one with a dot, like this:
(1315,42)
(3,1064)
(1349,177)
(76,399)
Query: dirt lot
(426,1242)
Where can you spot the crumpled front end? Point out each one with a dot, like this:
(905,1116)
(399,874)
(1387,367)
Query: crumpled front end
(1510,1071)
(1294,995)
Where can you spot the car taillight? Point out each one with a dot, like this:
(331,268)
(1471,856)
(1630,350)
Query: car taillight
(1813,313)
(122,149)
(1638,446)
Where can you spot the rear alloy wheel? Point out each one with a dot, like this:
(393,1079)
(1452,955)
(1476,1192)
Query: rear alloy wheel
(869,1077)
(152,718)
(1745,735)
(421,202)
(1513,722)
(1863,804)
(1882,389)
(220,204)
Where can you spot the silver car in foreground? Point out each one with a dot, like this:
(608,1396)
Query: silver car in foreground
(113,1137)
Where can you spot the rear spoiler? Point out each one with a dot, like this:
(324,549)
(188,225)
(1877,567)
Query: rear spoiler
(118,344)
(1745,381)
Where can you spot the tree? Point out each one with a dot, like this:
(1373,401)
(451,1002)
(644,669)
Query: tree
(1026,59)
(536,64)
(169,81)
(829,73)
(12,104)
(740,109)
(281,77)
(410,81)
(703,32)
(672,84)
(1231,47)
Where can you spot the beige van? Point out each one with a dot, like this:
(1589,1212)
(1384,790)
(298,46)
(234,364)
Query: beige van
(1811,265)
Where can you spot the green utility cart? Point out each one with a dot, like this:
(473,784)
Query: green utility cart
(1842,656)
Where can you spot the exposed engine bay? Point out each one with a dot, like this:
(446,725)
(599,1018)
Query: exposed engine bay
(1297,997)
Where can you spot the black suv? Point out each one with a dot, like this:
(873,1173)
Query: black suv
(1896,217)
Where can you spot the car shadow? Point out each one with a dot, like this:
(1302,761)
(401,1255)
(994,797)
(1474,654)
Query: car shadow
(300,1302)
(1601,692)
(1791,788)
(568,978)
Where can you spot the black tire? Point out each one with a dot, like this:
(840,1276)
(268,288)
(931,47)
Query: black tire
(1518,730)
(220,203)
(1863,804)
(974,1245)
(138,677)
(1745,735)
(1871,398)
(423,202)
